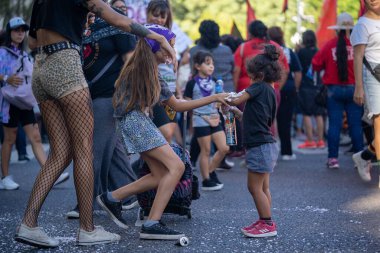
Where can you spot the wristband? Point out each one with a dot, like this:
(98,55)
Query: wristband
(5,78)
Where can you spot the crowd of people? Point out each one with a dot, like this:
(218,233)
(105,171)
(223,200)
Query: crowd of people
(107,87)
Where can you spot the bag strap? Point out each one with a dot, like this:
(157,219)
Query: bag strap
(242,49)
(104,69)
(368,66)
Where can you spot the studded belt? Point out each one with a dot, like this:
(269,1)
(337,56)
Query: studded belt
(53,48)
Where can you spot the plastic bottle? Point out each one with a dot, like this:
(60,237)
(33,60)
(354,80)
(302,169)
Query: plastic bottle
(230,128)
(219,85)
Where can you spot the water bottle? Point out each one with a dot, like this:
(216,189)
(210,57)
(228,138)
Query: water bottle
(219,85)
(230,128)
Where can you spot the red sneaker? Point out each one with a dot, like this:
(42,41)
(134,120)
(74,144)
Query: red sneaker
(262,229)
(321,144)
(247,228)
(308,144)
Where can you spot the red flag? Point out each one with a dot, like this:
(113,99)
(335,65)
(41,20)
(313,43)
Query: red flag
(250,15)
(284,6)
(362,8)
(326,19)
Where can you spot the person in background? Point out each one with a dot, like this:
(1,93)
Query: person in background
(288,94)
(206,120)
(159,12)
(307,92)
(336,58)
(16,69)
(365,40)
(120,5)
(63,95)
(210,41)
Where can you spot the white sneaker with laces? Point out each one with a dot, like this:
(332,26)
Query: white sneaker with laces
(289,157)
(9,183)
(363,166)
(97,236)
(62,178)
(35,237)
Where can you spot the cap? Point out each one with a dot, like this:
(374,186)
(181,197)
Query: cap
(154,45)
(343,22)
(17,22)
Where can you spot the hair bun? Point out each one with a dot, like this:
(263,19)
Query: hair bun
(271,52)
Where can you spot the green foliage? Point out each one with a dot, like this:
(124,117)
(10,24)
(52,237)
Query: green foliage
(189,14)
(12,8)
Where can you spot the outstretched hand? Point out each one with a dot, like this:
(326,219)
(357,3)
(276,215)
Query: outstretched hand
(221,97)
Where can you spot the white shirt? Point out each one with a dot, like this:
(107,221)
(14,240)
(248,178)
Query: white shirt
(367,32)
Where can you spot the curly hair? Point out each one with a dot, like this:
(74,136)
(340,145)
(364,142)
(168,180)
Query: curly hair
(209,31)
(265,66)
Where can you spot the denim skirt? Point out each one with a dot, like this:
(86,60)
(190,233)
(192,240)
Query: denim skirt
(263,158)
(371,91)
(139,132)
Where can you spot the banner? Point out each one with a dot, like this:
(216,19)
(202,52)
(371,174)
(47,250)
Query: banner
(284,6)
(235,31)
(250,15)
(327,18)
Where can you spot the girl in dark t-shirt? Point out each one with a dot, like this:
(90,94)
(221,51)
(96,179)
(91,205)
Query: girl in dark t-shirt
(262,151)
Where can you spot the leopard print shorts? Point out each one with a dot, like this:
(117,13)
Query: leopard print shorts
(57,75)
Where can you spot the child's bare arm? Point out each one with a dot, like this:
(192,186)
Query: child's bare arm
(181,105)
(243,97)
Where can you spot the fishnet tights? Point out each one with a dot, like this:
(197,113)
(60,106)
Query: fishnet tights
(69,122)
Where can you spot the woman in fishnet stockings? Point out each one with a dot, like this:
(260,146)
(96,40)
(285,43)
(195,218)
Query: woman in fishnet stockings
(65,103)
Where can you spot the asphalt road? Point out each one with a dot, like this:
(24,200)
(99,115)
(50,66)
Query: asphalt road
(316,210)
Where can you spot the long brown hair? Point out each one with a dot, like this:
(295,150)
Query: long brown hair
(138,80)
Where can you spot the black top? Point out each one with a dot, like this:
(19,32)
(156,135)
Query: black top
(294,66)
(66,17)
(305,56)
(259,114)
(98,54)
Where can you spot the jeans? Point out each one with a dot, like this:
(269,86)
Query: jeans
(340,98)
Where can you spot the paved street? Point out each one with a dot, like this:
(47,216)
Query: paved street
(317,210)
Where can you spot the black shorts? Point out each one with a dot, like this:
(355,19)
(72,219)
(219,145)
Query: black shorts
(206,131)
(16,116)
(160,117)
(306,102)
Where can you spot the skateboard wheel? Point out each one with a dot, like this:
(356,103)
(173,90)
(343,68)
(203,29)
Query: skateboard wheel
(183,241)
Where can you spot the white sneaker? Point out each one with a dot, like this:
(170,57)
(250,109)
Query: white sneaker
(73,214)
(289,157)
(130,206)
(9,184)
(35,237)
(363,166)
(229,162)
(2,187)
(97,236)
(62,178)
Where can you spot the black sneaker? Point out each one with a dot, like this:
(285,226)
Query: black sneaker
(211,185)
(215,178)
(113,209)
(159,231)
